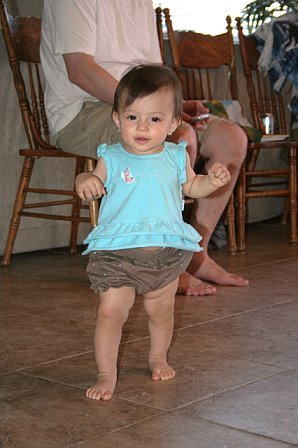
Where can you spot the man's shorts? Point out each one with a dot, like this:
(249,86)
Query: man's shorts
(137,268)
(91,127)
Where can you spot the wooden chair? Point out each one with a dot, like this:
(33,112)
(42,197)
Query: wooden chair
(197,56)
(277,182)
(195,59)
(22,39)
(159,25)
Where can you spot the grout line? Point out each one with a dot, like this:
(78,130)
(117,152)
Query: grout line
(252,310)
(267,263)
(235,388)
(245,431)
(120,428)
(21,369)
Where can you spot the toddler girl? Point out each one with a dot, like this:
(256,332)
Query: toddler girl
(141,244)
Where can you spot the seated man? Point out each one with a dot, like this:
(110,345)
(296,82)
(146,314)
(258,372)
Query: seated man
(86,47)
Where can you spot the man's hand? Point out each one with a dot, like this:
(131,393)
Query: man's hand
(218,175)
(191,108)
(89,187)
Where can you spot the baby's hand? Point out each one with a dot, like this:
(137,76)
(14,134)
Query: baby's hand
(89,187)
(219,175)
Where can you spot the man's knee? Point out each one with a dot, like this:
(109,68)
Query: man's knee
(233,138)
(239,136)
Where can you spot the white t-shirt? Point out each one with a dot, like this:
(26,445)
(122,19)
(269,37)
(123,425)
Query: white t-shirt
(118,33)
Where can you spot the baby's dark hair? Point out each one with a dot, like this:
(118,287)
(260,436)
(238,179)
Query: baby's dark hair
(145,79)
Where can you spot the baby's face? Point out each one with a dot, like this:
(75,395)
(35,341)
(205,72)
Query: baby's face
(145,123)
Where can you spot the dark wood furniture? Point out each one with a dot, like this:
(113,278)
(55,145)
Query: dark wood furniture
(197,56)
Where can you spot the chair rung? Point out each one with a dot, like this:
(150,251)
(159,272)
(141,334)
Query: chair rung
(50,191)
(269,173)
(267,194)
(48,204)
(55,217)
(39,153)
(266,184)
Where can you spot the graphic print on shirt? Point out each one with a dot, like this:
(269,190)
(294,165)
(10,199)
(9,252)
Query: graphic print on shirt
(127,176)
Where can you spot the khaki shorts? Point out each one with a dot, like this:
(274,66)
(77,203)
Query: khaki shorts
(91,127)
(137,268)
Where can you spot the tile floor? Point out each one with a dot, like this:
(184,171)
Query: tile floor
(236,356)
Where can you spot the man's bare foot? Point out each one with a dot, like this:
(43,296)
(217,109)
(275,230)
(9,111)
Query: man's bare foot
(192,286)
(104,387)
(161,371)
(209,270)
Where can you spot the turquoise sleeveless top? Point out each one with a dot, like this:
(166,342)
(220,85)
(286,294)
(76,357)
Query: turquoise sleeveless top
(144,201)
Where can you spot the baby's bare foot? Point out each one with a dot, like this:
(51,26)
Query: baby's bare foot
(104,387)
(161,371)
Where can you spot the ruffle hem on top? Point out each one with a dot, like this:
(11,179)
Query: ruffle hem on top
(125,235)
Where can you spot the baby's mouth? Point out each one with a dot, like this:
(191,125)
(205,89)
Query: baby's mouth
(142,139)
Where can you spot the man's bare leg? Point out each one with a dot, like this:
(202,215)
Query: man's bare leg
(159,306)
(226,144)
(113,309)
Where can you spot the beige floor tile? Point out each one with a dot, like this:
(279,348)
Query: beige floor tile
(267,336)
(39,414)
(204,375)
(268,408)
(172,431)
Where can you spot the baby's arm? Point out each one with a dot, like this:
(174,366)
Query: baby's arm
(198,186)
(90,186)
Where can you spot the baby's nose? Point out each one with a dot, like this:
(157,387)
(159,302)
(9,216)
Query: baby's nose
(143,124)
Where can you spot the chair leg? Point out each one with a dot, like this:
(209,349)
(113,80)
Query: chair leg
(18,207)
(80,165)
(93,205)
(286,212)
(293,194)
(241,209)
(230,216)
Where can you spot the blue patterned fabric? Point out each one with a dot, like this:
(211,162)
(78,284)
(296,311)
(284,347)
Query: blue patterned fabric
(278,45)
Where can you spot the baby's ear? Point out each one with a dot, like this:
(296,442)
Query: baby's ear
(116,120)
(175,123)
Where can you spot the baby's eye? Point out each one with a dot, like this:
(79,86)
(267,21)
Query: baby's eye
(155,119)
(131,117)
